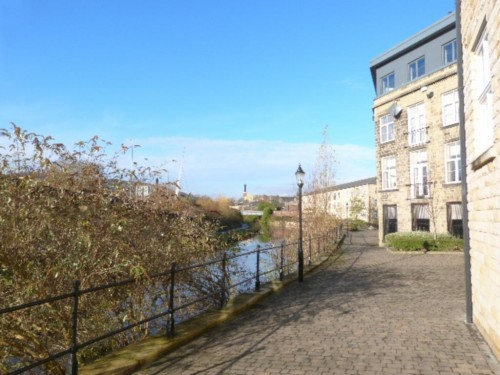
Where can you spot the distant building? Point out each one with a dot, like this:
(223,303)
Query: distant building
(356,198)
(480,32)
(417,133)
(246,197)
(143,190)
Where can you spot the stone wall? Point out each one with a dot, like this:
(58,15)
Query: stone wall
(428,90)
(483,170)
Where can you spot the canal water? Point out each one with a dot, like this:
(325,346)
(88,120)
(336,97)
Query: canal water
(249,261)
(244,266)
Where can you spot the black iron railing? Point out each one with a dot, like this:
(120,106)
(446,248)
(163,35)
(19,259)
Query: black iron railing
(420,190)
(226,278)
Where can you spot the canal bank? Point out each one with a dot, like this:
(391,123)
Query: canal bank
(138,355)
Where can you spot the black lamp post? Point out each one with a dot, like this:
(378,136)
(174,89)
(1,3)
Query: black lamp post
(299,175)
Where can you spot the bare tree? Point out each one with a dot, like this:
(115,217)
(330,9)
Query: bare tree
(319,213)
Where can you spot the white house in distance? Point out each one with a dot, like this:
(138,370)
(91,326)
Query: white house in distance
(339,200)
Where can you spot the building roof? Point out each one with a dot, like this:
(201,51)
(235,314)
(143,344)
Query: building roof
(438,28)
(348,185)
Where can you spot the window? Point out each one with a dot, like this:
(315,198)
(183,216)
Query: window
(143,191)
(484,128)
(483,62)
(390,216)
(453,168)
(450,107)
(389,173)
(455,226)
(417,133)
(450,52)
(417,68)
(386,129)
(420,217)
(387,83)
(419,174)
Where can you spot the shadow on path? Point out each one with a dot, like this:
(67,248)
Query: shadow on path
(366,311)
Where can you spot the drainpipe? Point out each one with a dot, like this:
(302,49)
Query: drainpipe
(463,161)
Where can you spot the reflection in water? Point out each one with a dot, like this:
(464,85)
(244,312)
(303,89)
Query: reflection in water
(244,267)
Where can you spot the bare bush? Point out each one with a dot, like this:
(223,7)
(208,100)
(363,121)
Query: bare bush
(319,217)
(70,215)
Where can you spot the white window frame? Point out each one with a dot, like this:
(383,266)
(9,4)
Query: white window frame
(452,162)
(450,106)
(413,69)
(419,174)
(384,87)
(417,131)
(453,45)
(143,191)
(386,128)
(484,126)
(389,175)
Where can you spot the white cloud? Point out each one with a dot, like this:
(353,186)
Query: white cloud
(221,167)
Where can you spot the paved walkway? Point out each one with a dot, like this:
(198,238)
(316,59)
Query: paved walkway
(369,312)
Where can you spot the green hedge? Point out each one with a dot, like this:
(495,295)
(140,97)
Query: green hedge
(416,241)
(357,224)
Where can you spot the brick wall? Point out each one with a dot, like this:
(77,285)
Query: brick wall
(483,171)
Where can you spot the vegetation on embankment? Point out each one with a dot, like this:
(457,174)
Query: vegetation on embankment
(267,209)
(75,214)
(219,211)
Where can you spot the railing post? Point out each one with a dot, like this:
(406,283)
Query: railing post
(282,261)
(257,278)
(74,328)
(310,250)
(171,300)
(287,263)
(223,282)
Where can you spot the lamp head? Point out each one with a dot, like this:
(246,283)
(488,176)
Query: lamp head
(299,175)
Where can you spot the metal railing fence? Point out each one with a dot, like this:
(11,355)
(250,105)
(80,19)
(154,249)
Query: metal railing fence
(205,285)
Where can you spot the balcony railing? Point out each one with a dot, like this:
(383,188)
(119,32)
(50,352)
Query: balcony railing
(417,136)
(420,190)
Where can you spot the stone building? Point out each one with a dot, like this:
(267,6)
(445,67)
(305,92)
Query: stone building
(417,133)
(480,34)
(354,200)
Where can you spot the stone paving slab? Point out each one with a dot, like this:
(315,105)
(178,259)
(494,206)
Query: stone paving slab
(368,312)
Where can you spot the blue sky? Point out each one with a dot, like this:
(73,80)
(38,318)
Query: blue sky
(242,88)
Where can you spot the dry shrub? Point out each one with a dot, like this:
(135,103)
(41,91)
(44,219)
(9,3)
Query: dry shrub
(74,215)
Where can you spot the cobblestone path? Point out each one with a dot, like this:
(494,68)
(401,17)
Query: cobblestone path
(368,312)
